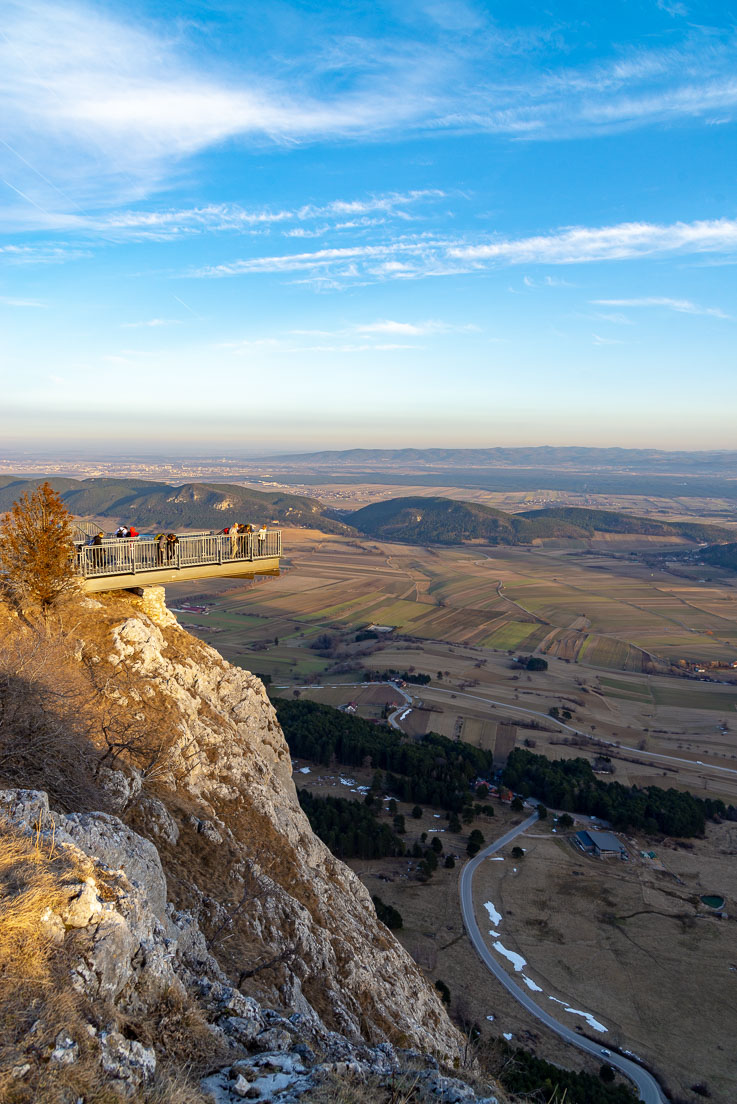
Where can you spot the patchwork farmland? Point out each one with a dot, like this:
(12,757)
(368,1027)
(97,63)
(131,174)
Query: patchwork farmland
(612,630)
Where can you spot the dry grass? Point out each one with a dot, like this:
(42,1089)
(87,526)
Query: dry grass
(45,717)
(37,1001)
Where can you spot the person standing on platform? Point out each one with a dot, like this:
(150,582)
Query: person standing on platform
(261,535)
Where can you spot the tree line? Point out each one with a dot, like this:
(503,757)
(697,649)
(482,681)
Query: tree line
(571,784)
(349,828)
(525,1073)
(432,770)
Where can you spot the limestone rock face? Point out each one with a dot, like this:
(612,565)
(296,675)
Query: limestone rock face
(256,873)
(128,966)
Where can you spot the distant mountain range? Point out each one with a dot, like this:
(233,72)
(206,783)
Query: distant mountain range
(653,461)
(419,520)
(415,520)
(146,504)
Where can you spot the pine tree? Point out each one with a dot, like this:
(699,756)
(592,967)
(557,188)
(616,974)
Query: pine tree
(37,549)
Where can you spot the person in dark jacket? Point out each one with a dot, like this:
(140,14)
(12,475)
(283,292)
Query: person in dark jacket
(172,540)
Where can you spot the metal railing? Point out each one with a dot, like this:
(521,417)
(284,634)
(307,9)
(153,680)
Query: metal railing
(128,556)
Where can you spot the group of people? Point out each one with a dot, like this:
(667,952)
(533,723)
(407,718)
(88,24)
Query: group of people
(243,540)
(241,535)
(166,547)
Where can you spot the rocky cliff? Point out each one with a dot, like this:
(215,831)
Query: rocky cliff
(192,893)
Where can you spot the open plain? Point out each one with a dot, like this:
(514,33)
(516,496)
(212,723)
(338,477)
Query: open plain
(462,613)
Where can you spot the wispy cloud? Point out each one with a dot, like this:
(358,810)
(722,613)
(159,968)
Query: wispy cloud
(673,7)
(414,329)
(681,306)
(597,339)
(607,243)
(151,322)
(357,337)
(42,254)
(385,260)
(546,281)
(99,108)
(337,215)
(421,256)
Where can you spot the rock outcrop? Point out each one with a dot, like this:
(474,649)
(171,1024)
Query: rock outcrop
(129,961)
(286,919)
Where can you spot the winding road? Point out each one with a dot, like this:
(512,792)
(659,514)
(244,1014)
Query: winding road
(647,1086)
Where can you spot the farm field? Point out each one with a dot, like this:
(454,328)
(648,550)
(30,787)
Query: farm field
(631,944)
(638,920)
(597,619)
(599,611)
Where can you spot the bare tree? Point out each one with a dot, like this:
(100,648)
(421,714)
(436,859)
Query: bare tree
(37,550)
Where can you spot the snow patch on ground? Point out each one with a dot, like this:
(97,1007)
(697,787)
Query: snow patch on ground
(594,1024)
(490,1019)
(494,916)
(531,984)
(516,959)
(496,858)
(508,1036)
(494,934)
(347,781)
(305,770)
(405,714)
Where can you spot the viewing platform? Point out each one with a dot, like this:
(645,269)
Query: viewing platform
(119,563)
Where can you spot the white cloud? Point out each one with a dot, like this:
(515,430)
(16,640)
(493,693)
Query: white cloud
(672,7)
(681,306)
(45,253)
(413,329)
(625,241)
(421,256)
(228,217)
(99,108)
(342,258)
(547,281)
(151,322)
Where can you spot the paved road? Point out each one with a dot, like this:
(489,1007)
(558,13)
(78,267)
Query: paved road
(647,1086)
(430,690)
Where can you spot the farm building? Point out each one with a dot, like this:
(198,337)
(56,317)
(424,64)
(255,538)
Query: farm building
(601,844)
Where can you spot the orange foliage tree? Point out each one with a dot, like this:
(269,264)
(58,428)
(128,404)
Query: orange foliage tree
(37,549)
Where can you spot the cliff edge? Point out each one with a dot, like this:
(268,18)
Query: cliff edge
(180,871)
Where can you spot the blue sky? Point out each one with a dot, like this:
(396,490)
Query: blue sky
(237,225)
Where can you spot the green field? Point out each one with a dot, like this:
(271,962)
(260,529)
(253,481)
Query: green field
(593,610)
(695,696)
(509,636)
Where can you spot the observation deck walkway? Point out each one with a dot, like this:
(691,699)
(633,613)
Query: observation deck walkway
(119,563)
